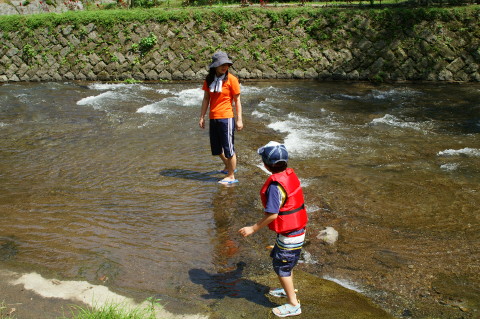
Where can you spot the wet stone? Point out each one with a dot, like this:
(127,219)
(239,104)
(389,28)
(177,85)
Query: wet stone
(389,259)
(8,249)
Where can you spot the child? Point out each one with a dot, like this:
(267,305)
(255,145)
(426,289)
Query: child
(285,213)
(222,93)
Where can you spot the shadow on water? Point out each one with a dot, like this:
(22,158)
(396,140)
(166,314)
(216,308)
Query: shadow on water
(230,284)
(192,175)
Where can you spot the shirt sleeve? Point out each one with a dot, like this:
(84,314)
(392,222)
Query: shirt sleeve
(275,198)
(235,86)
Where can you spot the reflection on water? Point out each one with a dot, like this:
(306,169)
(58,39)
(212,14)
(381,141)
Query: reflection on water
(116,181)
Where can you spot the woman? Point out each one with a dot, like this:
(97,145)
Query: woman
(222,94)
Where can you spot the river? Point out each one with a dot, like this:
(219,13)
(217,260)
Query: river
(115,184)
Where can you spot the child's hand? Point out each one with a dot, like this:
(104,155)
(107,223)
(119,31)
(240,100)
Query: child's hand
(246,231)
(239,125)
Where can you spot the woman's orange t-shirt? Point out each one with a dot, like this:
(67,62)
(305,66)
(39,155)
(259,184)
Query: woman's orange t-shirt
(221,102)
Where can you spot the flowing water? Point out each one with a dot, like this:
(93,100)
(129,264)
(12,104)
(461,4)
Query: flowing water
(114,183)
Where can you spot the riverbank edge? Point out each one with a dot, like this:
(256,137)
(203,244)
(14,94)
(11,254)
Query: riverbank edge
(30,295)
(391,44)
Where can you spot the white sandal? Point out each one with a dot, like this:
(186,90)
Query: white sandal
(287,310)
(278,292)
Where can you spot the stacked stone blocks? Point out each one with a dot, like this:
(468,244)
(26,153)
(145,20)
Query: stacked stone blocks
(356,49)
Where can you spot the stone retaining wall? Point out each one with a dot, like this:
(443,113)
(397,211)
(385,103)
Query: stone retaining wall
(329,44)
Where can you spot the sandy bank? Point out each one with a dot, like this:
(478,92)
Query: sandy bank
(31,296)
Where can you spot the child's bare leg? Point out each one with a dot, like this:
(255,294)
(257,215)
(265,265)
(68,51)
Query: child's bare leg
(230,165)
(287,285)
(224,160)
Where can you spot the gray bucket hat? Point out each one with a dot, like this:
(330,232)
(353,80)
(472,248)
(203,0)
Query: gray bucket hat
(220,58)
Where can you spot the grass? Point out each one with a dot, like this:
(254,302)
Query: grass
(108,311)
(107,18)
(6,312)
(116,311)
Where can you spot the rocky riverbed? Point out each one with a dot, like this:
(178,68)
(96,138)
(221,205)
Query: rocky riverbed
(413,277)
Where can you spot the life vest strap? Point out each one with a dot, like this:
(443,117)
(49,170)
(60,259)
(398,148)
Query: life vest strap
(293,211)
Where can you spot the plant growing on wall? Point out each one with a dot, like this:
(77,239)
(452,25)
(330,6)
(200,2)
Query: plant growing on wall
(147,43)
(28,52)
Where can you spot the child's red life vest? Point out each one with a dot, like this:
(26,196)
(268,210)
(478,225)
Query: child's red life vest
(293,215)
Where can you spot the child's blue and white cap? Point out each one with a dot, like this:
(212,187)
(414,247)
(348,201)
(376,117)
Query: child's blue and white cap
(273,153)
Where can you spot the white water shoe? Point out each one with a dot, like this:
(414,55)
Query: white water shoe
(279,292)
(287,310)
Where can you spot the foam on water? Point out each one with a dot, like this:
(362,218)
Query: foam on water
(23,97)
(259,114)
(307,258)
(392,94)
(304,137)
(188,97)
(264,110)
(467,151)
(312,208)
(392,120)
(450,166)
(117,86)
(163,91)
(97,101)
(154,108)
(306,182)
(343,283)
(257,90)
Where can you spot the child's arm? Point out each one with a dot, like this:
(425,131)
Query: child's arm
(267,219)
(203,110)
(238,107)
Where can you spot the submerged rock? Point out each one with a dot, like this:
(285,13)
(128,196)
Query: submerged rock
(328,235)
(8,249)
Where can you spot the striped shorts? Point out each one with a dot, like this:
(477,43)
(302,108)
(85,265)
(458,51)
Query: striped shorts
(222,136)
(286,253)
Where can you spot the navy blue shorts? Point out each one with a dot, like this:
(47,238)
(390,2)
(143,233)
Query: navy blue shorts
(284,260)
(221,136)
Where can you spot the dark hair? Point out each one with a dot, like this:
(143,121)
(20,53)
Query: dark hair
(277,167)
(211,76)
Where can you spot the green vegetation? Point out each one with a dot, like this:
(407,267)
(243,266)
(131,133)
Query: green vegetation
(116,311)
(288,38)
(28,52)
(147,43)
(131,81)
(6,312)
(108,311)
(314,17)
(323,25)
